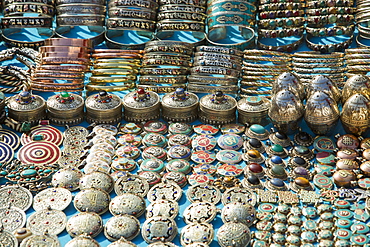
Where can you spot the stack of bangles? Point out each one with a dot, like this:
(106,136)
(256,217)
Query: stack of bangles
(62,65)
(362,20)
(166,65)
(308,64)
(357,61)
(280,23)
(260,69)
(332,21)
(114,70)
(215,68)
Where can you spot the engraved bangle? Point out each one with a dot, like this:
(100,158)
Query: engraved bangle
(328,3)
(267,33)
(9,42)
(355,68)
(26,22)
(319,71)
(115,66)
(223,64)
(329,47)
(331,10)
(71,55)
(68,42)
(67,49)
(254,83)
(282,48)
(101,2)
(47,73)
(227,5)
(131,24)
(182,7)
(114,88)
(277,60)
(282,22)
(259,73)
(164,71)
(140,13)
(168,43)
(215,59)
(213,55)
(356,51)
(319,21)
(112,36)
(23,8)
(61,31)
(317,65)
(351,62)
(179,25)
(76,67)
(262,69)
(280,6)
(229,18)
(171,56)
(152,79)
(111,79)
(209,70)
(162,89)
(315,54)
(148,4)
(256,65)
(188,2)
(115,55)
(64,60)
(164,48)
(127,71)
(47,2)
(313,60)
(258,78)
(56,87)
(359,44)
(80,20)
(148,62)
(226,89)
(117,61)
(203,79)
(220,32)
(219,49)
(191,16)
(280,14)
(80,8)
(117,51)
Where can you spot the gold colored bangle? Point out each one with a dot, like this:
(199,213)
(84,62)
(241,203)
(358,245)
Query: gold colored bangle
(356,51)
(264,69)
(75,68)
(162,89)
(68,42)
(107,51)
(317,65)
(258,78)
(259,73)
(117,60)
(256,52)
(111,79)
(65,60)
(268,59)
(357,56)
(315,54)
(57,74)
(310,76)
(354,68)
(114,88)
(115,66)
(251,92)
(128,71)
(357,61)
(253,83)
(70,55)
(115,55)
(316,60)
(259,65)
(64,49)
(320,71)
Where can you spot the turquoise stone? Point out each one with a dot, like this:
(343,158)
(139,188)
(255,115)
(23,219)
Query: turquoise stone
(11,176)
(256,128)
(28,173)
(47,171)
(277,148)
(3,173)
(38,137)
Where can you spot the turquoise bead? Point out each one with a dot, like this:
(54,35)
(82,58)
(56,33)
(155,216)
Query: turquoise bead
(256,128)
(28,173)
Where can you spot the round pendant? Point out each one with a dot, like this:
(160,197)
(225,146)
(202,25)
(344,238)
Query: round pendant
(153,165)
(326,158)
(310,225)
(200,178)
(360,228)
(154,152)
(233,234)
(131,184)
(343,213)
(98,166)
(123,164)
(324,170)
(230,170)
(322,182)
(176,177)
(204,142)
(264,225)
(78,131)
(67,178)
(179,139)
(84,223)
(97,180)
(128,151)
(236,194)
(152,178)
(309,212)
(179,152)
(167,191)
(236,128)
(130,128)
(106,138)
(266,207)
(83,240)
(121,226)
(205,168)
(12,218)
(43,133)
(129,139)
(10,138)
(161,207)
(324,144)
(238,212)
(38,153)
(205,129)
(202,192)
(92,200)
(54,198)
(6,153)
(178,165)
(230,141)
(343,223)
(118,174)
(197,212)
(105,129)
(197,233)
(308,237)
(127,204)
(201,157)
(159,227)
(180,128)
(364,183)
(16,196)
(154,139)
(344,234)
(155,126)
(229,156)
(47,220)
(359,239)
(37,240)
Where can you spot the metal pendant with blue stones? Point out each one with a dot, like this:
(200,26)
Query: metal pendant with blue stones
(159,228)
(230,141)
(229,156)
(197,233)
(179,152)
(238,212)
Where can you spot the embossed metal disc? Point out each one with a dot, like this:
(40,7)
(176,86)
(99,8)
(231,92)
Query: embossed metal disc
(168,191)
(51,221)
(233,234)
(198,212)
(67,178)
(8,239)
(97,180)
(88,223)
(92,200)
(55,198)
(47,132)
(78,131)
(125,226)
(161,207)
(159,227)
(131,184)
(197,233)
(39,153)
(6,153)
(16,196)
(202,192)
(127,203)
(236,194)
(162,244)
(84,241)
(12,218)
(105,129)
(122,243)
(10,138)
(40,240)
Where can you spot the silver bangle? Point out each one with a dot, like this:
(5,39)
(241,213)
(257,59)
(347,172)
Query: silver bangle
(141,13)
(130,24)
(80,8)
(80,20)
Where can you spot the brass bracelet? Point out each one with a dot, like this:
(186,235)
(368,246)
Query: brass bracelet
(64,49)
(57,74)
(280,14)
(117,51)
(329,47)
(330,10)
(251,78)
(256,65)
(274,69)
(317,65)
(350,62)
(148,4)
(149,62)
(259,73)
(182,7)
(115,55)
(65,60)
(229,89)
(113,88)
(77,67)
(218,56)
(219,49)
(277,60)
(26,22)
(111,79)
(115,66)
(23,8)
(117,61)
(354,68)
(282,48)
(140,13)
(130,24)
(128,71)
(164,71)
(279,6)
(319,71)
(191,16)
(81,8)
(209,70)
(310,76)
(179,25)
(162,89)
(316,54)
(276,54)
(68,42)
(315,60)
(155,79)
(80,20)
(70,55)
(204,79)
(254,83)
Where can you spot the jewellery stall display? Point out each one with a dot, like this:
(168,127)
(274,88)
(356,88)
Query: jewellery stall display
(173,123)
